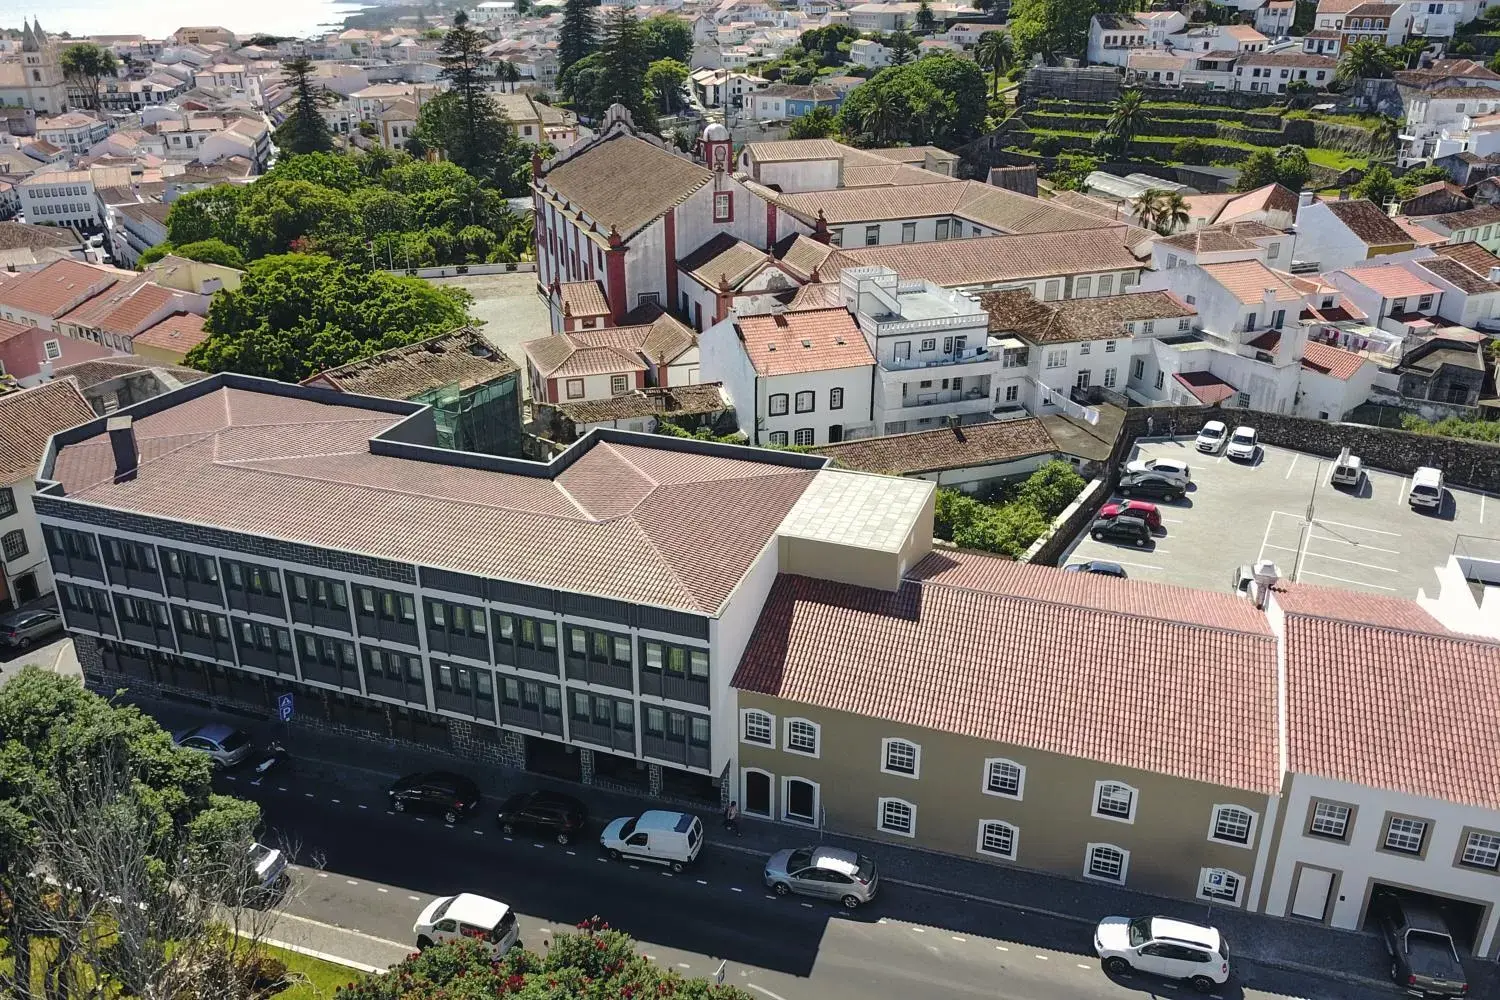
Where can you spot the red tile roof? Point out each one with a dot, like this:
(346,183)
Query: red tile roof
(178,333)
(1018,654)
(945,448)
(664,526)
(809,340)
(1206,387)
(30,417)
(56,288)
(986,260)
(1329,360)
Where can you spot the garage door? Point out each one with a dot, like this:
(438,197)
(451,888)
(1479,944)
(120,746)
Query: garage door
(1311,898)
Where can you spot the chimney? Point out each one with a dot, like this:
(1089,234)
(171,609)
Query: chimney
(1305,198)
(1266,574)
(122,443)
(1495,274)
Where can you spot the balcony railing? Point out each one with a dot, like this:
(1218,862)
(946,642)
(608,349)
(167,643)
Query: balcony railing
(952,358)
(939,398)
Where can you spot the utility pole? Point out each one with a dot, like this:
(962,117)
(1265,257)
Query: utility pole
(1305,535)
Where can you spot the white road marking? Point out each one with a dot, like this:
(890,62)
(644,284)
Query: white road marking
(1358,527)
(683,965)
(1344,541)
(1040,958)
(509,839)
(1289,468)
(769,896)
(230,777)
(735,888)
(479,832)
(307,795)
(1001,947)
(571,854)
(1340,579)
(322,874)
(808,905)
(666,874)
(406,946)
(533,845)
(1401,493)
(602,861)
(419,819)
(323,955)
(351,881)
(1083,965)
(762,989)
(920,930)
(701,882)
(381,889)
(1481,508)
(363,806)
(959,939)
(415,899)
(1353,562)
(635,868)
(546,930)
(336,802)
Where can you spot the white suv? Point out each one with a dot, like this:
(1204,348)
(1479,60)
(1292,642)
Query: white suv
(1164,947)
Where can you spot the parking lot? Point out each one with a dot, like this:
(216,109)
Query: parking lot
(1237,513)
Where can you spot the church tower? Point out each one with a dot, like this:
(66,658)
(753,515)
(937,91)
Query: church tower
(42,65)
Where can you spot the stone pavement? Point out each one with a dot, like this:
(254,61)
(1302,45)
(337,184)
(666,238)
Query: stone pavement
(1274,942)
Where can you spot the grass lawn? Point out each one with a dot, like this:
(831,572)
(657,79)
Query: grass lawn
(320,978)
(1333,159)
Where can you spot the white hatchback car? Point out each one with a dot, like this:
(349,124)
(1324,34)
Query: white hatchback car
(1173,468)
(1211,437)
(1242,444)
(467,916)
(1175,949)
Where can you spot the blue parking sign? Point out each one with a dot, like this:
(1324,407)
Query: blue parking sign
(284,706)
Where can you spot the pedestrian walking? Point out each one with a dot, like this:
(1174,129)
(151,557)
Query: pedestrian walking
(732,818)
(1150,426)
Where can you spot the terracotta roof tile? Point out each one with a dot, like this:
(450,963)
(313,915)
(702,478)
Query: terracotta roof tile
(583,298)
(1247,280)
(1470,254)
(1068,320)
(460,357)
(30,417)
(944,448)
(1481,216)
(1016,654)
(802,253)
(810,340)
(725,257)
(678,400)
(1458,275)
(984,204)
(1329,360)
(819,295)
(299,470)
(1209,240)
(1206,387)
(611,349)
(1420,234)
(1391,281)
(123,308)
(989,259)
(92,372)
(56,288)
(1365,220)
(625,182)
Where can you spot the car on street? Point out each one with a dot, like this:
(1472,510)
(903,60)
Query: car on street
(438,793)
(1143,509)
(267,870)
(659,836)
(224,745)
(466,915)
(1211,437)
(825,872)
(1242,444)
(1132,530)
(22,629)
(1096,566)
(1161,946)
(1424,960)
(560,816)
(1426,488)
(1347,469)
(1173,468)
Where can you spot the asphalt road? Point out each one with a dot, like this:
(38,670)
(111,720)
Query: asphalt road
(371,871)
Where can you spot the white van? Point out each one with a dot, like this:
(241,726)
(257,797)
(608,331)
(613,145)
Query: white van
(1426,488)
(661,837)
(1347,469)
(467,916)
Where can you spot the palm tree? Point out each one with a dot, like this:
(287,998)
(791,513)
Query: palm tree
(1171,212)
(1127,118)
(994,53)
(1147,207)
(506,72)
(883,114)
(1366,59)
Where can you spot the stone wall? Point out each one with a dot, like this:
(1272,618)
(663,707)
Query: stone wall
(1473,464)
(1049,548)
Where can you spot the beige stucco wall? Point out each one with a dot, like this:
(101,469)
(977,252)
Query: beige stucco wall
(1168,840)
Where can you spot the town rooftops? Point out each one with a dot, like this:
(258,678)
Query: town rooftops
(29,417)
(460,358)
(1391,281)
(1385,669)
(1300,59)
(1365,220)
(1328,360)
(624,182)
(298,464)
(1119,22)
(1206,387)
(1470,254)
(810,340)
(1210,240)
(1070,320)
(1014,653)
(96,370)
(985,204)
(1386,10)
(987,260)
(1457,274)
(968,445)
(123,307)
(1483,216)
(56,288)
(610,350)
(724,258)
(583,298)
(14,235)
(1249,280)
(677,401)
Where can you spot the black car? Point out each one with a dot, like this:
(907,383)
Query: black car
(442,793)
(1424,960)
(543,812)
(1121,529)
(1096,566)
(1150,484)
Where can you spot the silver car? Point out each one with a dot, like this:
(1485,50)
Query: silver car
(22,628)
(826,872)
(224,745)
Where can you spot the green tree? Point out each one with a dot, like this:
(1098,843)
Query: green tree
(940,99)
(1257,171)
(1072,170)
(1128,118)
(579,33)
(1408,183)
(1051,488)
(993,52)
(926,19)
(206,214)
(1172,213)
(474,132)
(624,62)
(330,170)
(506,72)
(1147,204)
(883,113)
(212,251)
(1051,28)
(1292,167)
(1377,185)
(85,65)
(582,84)
(819,123)
(668,37)
(902,45)
(304,130)
(666,78)
(277,214)
(1366,59)
(296,314)
(1195,152)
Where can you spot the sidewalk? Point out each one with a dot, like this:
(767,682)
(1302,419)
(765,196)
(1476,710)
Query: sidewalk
(1272,942)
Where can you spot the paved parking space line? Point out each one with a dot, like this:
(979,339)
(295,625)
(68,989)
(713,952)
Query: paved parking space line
(1356,527)
(1401,492)
(1341,579)
(1289,468)
(1346,541)
(1352,562)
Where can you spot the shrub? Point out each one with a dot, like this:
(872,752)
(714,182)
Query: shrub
(1192,151)
(1051,488)
(1047,145)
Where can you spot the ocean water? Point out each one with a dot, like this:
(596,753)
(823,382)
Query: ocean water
(159,18)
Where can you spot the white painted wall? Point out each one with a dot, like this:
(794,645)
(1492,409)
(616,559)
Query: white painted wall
(35,560)
(723,359)
(856,383)
(728,635)
(1323,240)
(1319,394)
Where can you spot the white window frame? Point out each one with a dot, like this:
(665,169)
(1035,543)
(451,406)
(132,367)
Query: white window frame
(880,805)
(786,737)
(770,743)
(885,757)
(1343,833)
(804,436)
(1135,798)
(1464,858)
(1015,839)
(1088,858)
(778,437)
(1205,875)
(1057,358)
(1213,825)
(1423,829)
(787,817)
(984,778)
(52,349)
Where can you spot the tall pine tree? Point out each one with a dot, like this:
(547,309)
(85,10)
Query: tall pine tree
(579,34)
(626,55)
(304,130)
(466,121)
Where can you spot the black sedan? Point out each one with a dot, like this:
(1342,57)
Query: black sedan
(1121,529)
(560,816)
(1150,484)
(1096,566)
(439,793)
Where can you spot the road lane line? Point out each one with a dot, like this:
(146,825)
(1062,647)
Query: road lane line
(533,845)
(322,874)
(666,874)
(307,795)
(959,939)
(280,789)
(351,881)
(323,956)
(1340,579)
(1001,947)
(1400,493)
(808,905)
(415,899)
(571,854)
(1481,508)
(479,833)
(509,839)
(381,888)
(230,777)
(363,806)
(701,882)
(920,930)
(1040,958)
(683,965)
(762,989)
(1289,468)
(735,888)
(1083,965)
(635,868)
(419,819)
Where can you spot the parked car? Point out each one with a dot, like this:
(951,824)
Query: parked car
(1347,469)
(1426,488)
(1424,961)
(656,835)
(1242,444)
(561,816)
(1164,947)
(1142,509)
(440,793)
(1121,529)
(267,869)
(20,629)
(825,872)
(224,745)
(1174,468)
(1097,566)
(467,916)
(1151,484)
(1211,437)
